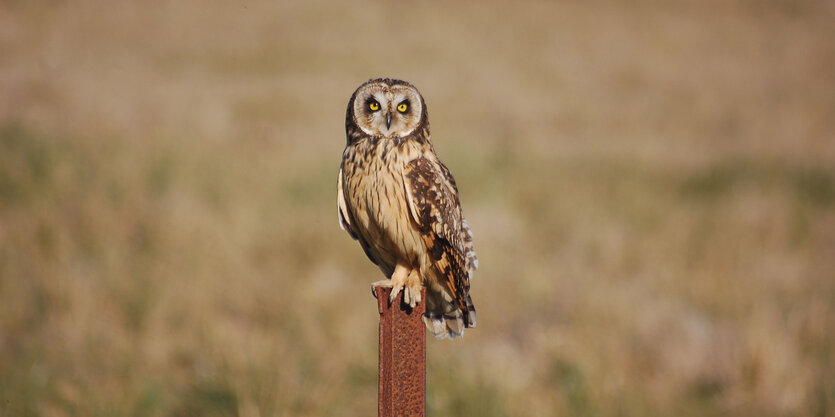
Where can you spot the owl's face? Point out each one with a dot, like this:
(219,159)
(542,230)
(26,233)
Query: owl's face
(387,108)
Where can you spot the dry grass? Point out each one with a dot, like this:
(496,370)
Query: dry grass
(651,184)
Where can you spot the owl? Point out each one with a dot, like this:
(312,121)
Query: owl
(401,203)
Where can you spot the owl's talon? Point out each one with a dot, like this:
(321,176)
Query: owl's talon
(415,298)
(385,283)
(411,289)
(394,291)
(402,279)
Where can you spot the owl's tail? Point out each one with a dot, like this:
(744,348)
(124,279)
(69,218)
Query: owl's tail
(445,319)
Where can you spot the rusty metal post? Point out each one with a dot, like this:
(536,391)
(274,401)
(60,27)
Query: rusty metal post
(402,377)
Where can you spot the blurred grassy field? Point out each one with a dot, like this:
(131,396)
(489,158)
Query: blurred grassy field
(651,186)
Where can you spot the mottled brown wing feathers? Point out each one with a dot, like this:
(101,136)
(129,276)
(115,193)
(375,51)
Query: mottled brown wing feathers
(434,204)
(465,235)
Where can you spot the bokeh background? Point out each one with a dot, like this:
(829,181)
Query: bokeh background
(651,185)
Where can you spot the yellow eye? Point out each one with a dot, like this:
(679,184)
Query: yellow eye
(374,106)
(402,107)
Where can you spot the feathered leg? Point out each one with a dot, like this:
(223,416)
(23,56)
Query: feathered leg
(405,279)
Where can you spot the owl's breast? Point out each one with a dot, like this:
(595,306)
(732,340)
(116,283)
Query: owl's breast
(376,196)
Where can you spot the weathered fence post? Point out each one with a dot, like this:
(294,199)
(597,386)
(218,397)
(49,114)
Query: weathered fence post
(402,377)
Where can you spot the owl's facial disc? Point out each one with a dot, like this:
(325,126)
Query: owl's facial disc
(388,111)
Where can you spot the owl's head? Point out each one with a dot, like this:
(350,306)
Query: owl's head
(386,108)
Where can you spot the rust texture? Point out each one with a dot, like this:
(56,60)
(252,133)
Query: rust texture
(402,377)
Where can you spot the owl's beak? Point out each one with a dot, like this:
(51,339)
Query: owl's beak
(388,120)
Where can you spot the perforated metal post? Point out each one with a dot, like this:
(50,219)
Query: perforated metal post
(402,377)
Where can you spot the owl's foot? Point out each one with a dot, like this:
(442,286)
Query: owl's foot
(411,289)
(403,279)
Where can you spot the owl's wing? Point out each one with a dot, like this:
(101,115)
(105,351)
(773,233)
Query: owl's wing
(342,208)
(464,232)
(435,207)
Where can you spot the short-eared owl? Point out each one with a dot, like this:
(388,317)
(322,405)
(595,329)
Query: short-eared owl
(401,203)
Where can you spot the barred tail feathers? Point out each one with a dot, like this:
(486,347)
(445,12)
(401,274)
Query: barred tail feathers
(445,320)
